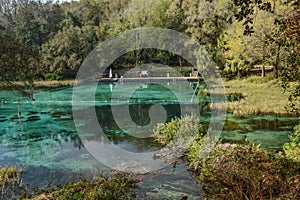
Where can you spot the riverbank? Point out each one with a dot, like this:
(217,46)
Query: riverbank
(240,171)
(52,84)
(259,96)
(46,84)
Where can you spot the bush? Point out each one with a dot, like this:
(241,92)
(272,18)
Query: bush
(185,73)
(292,149)
(165,132)
(53,77)
(177,137)
(179,128)
(247,172)
(193,153)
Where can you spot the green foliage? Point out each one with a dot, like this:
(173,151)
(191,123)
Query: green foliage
(102,188)
(185,73)
(292,149)
(206,22)
(66,51)
(247,172)
(36,22)
(247,10)
(193,153)
(165,132)
(18,62)
(290,74)
(179,128)
(53,77)
(139,13)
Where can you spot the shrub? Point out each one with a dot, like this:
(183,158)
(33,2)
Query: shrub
(185,73)
(165,132)
(247,172)
(179,128)
(193,153)
(110,188)
(292,149)
(53,77)
(177,136)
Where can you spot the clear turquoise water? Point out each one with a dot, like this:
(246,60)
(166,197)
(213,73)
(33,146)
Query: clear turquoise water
(45,142)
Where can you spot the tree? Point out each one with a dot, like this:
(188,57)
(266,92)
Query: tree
(206,22)
(18,66)
(65,52)
(139,13)
(37,22)
(291,72)
(286,37)
(8,11)
(234,46)
(264,46)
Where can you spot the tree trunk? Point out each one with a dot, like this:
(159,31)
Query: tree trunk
(180,62)
(276,71)
(276,64)
(19,111)
(263,72)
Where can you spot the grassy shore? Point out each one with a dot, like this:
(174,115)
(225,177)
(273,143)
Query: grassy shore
(261,96)
(104,188)
(113,186)
(45,84)
(62,83)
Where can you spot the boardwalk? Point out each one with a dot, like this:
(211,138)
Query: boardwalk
(152,79)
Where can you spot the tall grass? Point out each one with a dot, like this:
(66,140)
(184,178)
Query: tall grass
(54,83)
(261,96)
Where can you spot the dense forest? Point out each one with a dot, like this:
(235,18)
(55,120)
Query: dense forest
(50,40)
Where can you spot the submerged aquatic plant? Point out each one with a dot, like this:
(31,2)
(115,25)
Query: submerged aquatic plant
(10,181)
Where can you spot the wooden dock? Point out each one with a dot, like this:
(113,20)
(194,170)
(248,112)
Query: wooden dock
(152,79)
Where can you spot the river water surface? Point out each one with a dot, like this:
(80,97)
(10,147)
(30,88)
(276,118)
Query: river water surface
(45,141)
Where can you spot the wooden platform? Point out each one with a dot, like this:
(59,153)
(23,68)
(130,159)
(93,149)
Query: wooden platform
(151,79)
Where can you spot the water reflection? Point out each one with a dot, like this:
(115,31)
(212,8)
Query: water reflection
(47,138)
